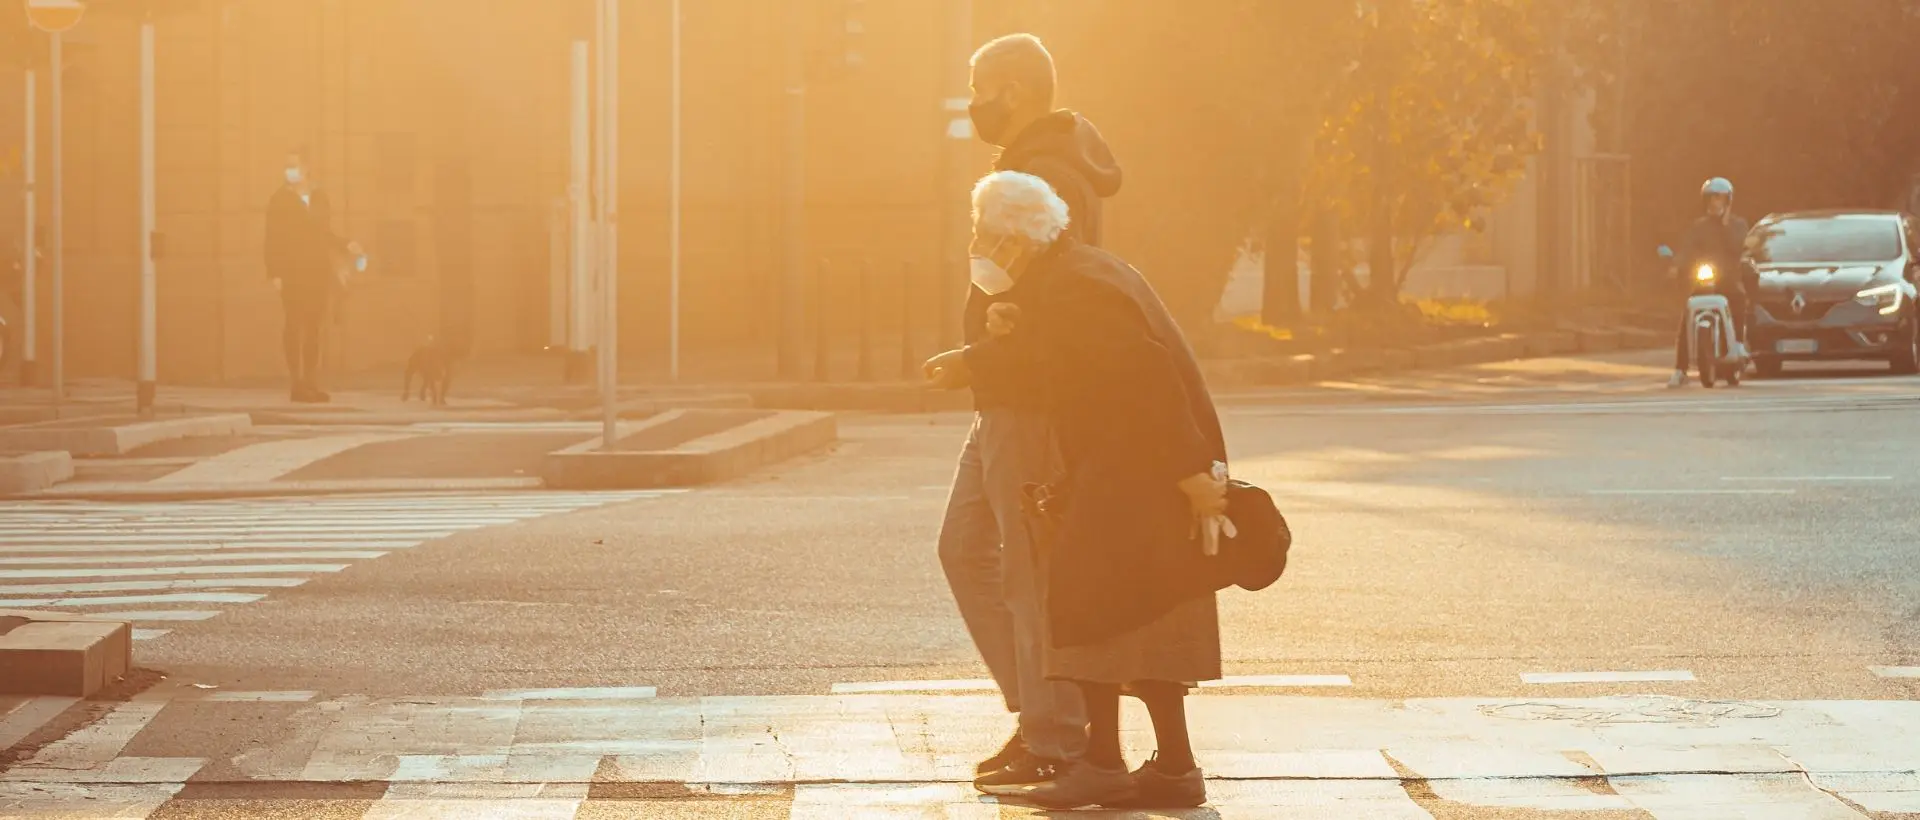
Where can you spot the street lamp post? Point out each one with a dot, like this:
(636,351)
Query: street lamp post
(30,244)
(609,190)
(148,366)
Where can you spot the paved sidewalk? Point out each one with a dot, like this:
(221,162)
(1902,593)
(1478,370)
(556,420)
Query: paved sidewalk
(558,753)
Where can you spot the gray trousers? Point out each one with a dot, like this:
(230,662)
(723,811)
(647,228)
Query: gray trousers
(990,566)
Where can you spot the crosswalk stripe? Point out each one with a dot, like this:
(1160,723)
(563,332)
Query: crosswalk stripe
(128,572)
(164,562)
(68,560)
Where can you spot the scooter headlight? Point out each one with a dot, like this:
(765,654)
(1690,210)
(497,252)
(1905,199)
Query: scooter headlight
(1885,297)
(1704,273)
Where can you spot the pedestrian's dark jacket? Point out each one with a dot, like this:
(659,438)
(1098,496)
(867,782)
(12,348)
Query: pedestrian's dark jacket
(1133,417)
(1723,244)
(301,244)
(1064,149)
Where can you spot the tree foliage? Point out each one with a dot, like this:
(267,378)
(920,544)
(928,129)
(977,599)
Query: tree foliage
(1802,106)
(1432,128)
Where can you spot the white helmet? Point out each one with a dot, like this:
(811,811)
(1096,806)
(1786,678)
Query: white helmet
(1718,186)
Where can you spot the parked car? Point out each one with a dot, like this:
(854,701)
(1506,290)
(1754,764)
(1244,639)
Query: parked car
(1836,286)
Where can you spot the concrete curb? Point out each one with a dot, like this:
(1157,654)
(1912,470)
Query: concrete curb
(33,472)
(52,653)
(147,491)
(718,457)
(119,439)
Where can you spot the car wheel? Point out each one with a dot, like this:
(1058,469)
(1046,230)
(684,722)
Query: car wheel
(1906,362)
(1767,368)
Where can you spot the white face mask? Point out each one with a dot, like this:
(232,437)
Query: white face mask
(987,274)
(294,176)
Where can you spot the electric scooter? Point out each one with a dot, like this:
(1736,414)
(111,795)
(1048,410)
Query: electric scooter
(1712,346)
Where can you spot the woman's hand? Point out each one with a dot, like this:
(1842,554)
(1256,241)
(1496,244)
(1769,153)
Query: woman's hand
(1001,318)
(1206,495)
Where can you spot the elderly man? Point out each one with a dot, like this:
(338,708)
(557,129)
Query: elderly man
(1128,591)
(982,545)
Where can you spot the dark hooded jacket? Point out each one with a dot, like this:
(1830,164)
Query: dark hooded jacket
(1064,149)
(1133,418)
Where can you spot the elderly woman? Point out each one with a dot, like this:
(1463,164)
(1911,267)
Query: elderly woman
(1129,590)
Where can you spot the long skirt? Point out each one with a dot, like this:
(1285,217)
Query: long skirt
(1182,646)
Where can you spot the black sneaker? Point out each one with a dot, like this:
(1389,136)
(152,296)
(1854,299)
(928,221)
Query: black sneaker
(1013,751)
(1084,784)
(1020,776)
(1156,787)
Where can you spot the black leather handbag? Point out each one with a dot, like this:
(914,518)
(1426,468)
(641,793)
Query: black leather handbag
(1252,559)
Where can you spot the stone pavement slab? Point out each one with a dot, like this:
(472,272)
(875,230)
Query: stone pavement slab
(911,756)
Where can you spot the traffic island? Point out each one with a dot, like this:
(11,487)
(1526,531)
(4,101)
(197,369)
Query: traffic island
(116,435)
(52,653)
(684,448)
(22,473)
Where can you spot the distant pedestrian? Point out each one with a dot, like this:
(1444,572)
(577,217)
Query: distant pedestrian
(1129,589)
(302,252)
(983,547)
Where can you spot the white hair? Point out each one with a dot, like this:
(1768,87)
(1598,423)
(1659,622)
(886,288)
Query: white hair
(1013,204)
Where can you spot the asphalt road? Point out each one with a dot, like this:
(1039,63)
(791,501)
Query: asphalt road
(1762,540)
(1473,534)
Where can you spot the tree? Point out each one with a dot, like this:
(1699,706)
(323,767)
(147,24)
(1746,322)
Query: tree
(1433,128)
(1800,107)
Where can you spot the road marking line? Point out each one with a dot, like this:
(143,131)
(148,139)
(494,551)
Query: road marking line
(161,615)
(1275,681)
(29,717)
(1900,672)
(573,693)
(314,538)
(1606,677)
(124,600)
(149,634)
(101,741)
(1692,492)
(266,461)
(134,586)
(872,687)
(129,572)
(66,560)
(1809,478)
(272,544)
(260,697)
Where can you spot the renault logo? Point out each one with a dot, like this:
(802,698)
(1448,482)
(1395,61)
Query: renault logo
(1799,304)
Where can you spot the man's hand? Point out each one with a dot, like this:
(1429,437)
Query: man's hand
(948,371)
(1001,318)
(1206,495)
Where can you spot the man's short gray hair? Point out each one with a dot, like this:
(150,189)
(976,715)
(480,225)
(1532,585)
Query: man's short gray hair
(1022,58)
(1013,204)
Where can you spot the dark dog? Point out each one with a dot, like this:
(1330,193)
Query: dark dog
(434,364)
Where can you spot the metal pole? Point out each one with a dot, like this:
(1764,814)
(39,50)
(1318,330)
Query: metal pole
(956,164)
(865,306)
(793,261)
(908,366)
(144,389)
(59,238)
(822,339)
(30,241)
(579,210)
(610,298)
(673,213)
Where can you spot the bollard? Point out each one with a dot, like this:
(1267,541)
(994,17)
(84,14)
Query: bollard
(865,306)
(909,368)
(820,323)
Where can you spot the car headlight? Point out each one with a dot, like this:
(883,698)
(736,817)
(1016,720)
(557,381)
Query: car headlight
(1704,273)
(1885,297)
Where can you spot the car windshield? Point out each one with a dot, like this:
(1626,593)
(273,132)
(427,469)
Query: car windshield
(1833,239)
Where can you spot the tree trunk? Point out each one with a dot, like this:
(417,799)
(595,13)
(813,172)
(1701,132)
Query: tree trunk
(1280,285)
(1323,256)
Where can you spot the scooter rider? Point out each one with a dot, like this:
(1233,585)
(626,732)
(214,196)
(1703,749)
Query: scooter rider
(1717,238)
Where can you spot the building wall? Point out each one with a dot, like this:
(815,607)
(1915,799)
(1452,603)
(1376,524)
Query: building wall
(440,130)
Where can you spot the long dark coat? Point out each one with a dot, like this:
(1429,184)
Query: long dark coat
(1133,417)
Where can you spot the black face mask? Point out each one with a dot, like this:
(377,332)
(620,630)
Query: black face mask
(990,119)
